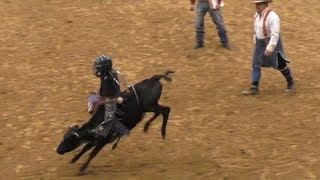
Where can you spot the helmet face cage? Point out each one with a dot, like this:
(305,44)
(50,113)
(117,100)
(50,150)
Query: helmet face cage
(102,65)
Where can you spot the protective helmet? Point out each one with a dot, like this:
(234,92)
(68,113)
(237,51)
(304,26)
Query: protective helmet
(102,65)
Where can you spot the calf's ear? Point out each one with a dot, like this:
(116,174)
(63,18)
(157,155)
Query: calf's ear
(74,126)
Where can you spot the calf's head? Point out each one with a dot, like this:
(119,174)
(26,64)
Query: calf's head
(70,141)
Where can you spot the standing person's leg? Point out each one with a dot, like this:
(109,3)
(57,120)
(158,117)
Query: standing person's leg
(218,21)
(286,72)
(256,76)
(256,72)
(201,11)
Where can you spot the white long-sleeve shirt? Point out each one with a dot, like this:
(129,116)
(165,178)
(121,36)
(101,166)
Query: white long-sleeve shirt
(272,26)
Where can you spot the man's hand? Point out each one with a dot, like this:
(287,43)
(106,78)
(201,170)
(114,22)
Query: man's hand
(217,6)
(268,52)
(191,7)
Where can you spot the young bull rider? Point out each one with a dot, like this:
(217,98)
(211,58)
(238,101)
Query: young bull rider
(268,50)
(95,99)
(109,89)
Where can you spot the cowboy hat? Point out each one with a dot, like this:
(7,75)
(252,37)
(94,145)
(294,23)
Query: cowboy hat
(262,1)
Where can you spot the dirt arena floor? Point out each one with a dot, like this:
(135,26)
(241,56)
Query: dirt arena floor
(47,48)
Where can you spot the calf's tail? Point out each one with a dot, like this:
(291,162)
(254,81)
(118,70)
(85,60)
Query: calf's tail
(166,76)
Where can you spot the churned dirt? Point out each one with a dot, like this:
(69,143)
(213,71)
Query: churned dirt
(47,48)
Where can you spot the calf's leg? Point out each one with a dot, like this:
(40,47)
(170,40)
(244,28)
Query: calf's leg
(165,114)
(92,154)
(164,111)
(84,150)
(148,123)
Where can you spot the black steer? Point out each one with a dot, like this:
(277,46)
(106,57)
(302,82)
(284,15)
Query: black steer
(140,98)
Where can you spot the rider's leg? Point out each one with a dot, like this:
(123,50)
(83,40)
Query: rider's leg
(121,130)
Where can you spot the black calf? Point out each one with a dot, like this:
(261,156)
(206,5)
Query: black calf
(141,98)
(147,94)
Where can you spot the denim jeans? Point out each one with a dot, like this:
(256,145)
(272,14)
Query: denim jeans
(201,10)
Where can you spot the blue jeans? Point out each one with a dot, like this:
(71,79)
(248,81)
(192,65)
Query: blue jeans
(202,9)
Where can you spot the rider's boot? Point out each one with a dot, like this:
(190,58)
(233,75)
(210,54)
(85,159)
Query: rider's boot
(121,132)
(120,129)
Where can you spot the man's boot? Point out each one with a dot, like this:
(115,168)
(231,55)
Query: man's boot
(253,90)
(198,45)
(291,86)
